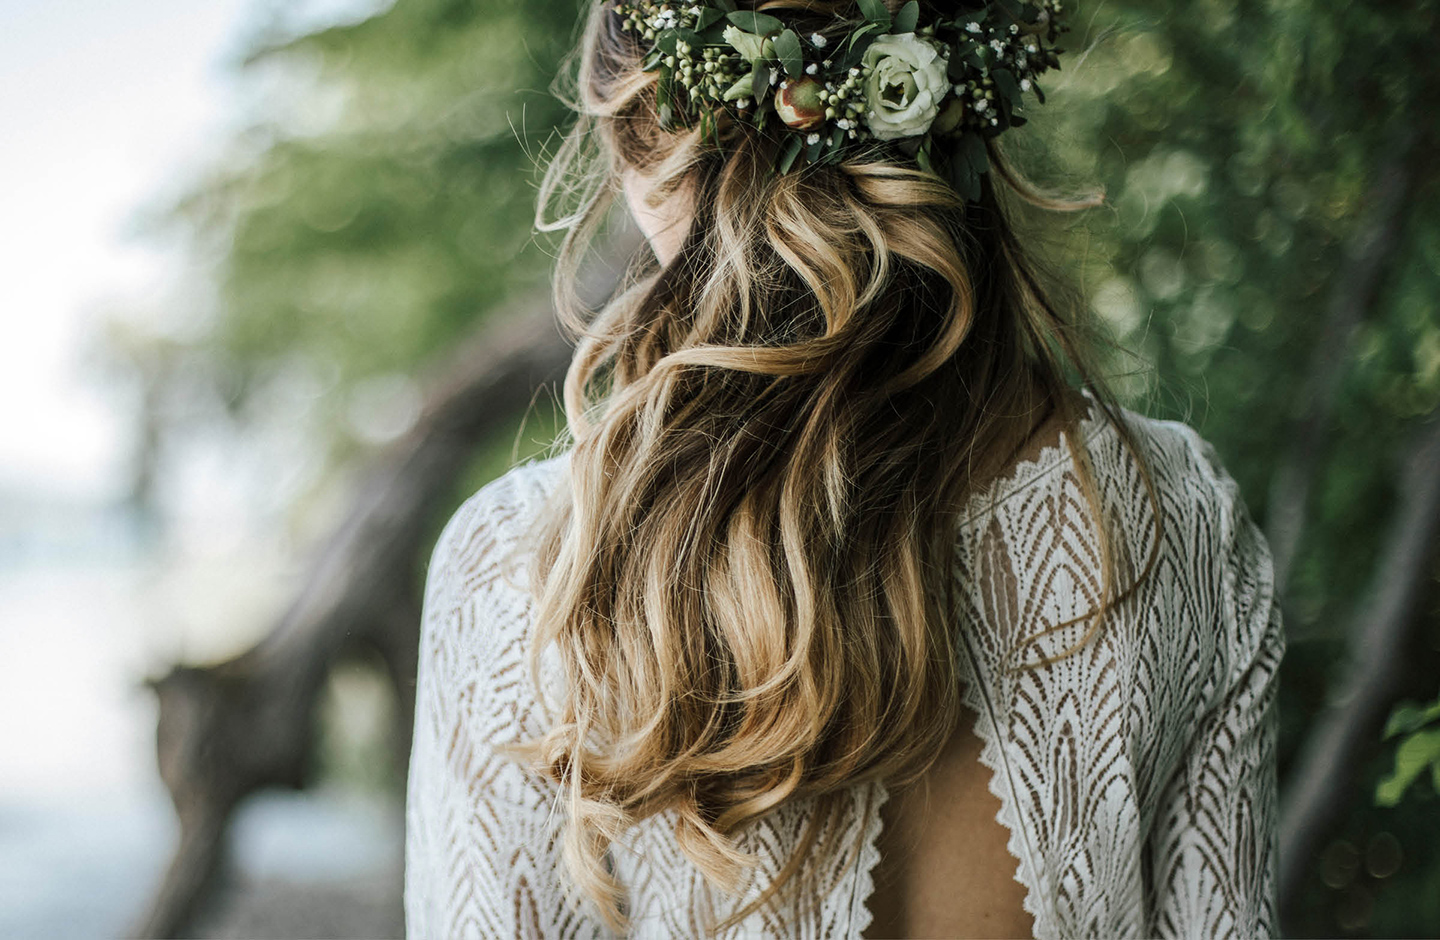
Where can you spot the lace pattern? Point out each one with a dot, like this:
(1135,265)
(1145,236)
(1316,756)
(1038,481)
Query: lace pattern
(1136,777)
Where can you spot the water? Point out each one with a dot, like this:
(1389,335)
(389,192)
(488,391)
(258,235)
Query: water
(88,609)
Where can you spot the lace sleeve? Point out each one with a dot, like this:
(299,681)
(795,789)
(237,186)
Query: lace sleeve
(1213,845)
(481,854)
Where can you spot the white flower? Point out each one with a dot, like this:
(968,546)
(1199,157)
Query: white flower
(812,139)
(904,85)
(818,41)
(1025,84)
(981,105)
(811,69)
(972,27)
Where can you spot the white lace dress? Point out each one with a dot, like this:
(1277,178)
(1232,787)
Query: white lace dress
(1136,778)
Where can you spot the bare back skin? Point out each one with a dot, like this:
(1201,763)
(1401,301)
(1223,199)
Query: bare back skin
(944,869)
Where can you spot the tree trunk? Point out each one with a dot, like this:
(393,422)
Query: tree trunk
(1340,738)
(1357,285)
(230,729)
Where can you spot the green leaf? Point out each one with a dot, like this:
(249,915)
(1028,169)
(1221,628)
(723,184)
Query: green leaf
(792,150)
(874,11)
(1408,717)
(714,34)
(1005,81)
(1013,9)
(906,18)
(761,24)
(666,41)
(972,152)
(812,151)
(965,180)
(759,82)
(1415,755)
(651,60)
(787,48)
(708,17)
(922,156)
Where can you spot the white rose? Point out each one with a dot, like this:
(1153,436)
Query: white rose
(905,85)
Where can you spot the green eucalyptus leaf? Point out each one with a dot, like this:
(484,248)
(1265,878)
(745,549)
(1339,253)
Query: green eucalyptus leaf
(861,33)
(714,34)
(666,41)
(906,18)
(761,24)
(708,17)
(874,11)
(965,180)
(1005,81)
(759,82)
(1013,9)
(787,48)
(812,151)
(972,153)
(922,157)
(792,150)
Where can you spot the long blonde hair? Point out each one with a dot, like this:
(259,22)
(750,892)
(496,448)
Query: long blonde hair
(748,583)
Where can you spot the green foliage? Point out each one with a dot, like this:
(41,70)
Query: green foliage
(1418,728)
(383,204)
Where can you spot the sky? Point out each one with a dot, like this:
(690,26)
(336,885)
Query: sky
(105,108)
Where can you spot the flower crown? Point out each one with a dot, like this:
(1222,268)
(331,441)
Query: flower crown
(937,90)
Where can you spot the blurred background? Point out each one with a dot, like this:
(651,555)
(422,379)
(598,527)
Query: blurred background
(273,306)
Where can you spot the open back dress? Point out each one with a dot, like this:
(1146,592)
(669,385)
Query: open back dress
(1135,777)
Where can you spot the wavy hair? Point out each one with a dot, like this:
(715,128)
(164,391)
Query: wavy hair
(748,586)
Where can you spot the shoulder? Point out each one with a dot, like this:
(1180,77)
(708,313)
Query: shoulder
(1210,546)
(1196,497)
(483,541)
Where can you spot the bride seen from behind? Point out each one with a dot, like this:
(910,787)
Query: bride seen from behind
(855,604)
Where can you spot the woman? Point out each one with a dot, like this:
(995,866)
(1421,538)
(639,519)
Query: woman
(843,614)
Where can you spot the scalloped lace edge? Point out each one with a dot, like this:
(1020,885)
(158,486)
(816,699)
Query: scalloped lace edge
(1024,474)
(860,915)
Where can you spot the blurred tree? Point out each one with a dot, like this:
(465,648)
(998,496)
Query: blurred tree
(1271,252)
